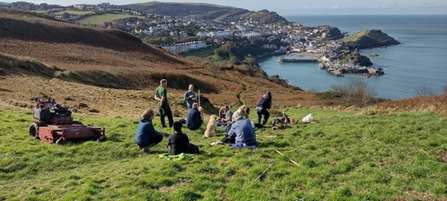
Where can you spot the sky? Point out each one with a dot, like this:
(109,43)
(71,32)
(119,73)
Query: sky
(297,7)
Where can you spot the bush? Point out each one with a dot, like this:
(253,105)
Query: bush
(357,92)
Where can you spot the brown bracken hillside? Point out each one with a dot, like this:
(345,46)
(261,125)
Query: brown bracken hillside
(109,72)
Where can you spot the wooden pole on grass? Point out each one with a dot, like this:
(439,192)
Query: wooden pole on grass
(198,92)
(263,172)
(289,158)
(257,147)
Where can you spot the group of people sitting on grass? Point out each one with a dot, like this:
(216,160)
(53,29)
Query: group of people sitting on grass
(146,136)
(239,128)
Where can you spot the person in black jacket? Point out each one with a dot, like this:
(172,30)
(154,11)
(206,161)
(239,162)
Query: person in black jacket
(262,106)
(178,142)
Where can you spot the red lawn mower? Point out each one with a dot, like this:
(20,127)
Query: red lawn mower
(54,124)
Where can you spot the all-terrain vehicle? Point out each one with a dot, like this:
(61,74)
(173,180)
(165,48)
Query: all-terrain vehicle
(53,124)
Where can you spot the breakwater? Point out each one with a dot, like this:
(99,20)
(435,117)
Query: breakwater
(298,59)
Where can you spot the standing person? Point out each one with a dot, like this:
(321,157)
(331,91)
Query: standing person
(194,118)
(146,136)
(190,96)
(161,95)
(262,106)
(178,142)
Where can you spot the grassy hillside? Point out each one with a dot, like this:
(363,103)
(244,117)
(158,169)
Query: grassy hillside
(207,11)
(340,156)
(75,12)
(369,39)
(109,17)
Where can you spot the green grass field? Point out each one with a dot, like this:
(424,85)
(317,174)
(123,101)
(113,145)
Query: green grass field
(108,17)
(75,12)
(340,156)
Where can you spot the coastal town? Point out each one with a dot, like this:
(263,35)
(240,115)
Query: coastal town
(180,35)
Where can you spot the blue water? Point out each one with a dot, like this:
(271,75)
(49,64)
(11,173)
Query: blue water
(419,62)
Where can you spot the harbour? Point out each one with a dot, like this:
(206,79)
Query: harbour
(332,66)
(417,62)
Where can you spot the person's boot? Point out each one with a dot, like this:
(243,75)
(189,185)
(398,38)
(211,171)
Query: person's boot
(163,123)
(146,149)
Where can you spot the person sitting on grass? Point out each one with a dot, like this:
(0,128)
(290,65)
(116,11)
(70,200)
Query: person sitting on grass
(178,142)
(146,136)
(241,113)
(194,118)
(241,134)
(225,115)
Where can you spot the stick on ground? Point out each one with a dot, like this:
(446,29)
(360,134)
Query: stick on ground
(257,147)
(263,172)
(289,158)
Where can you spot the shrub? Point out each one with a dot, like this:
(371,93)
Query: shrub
(357,92)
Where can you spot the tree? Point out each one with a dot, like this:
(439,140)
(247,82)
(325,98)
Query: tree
(222,53)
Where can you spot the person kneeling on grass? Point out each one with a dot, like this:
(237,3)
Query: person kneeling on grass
(146,136)
(178,142)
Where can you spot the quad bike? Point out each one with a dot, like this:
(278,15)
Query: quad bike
(54,124)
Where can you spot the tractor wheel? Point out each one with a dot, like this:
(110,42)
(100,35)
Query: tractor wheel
(102,138)
(77,122)
(33,130)
(60,141)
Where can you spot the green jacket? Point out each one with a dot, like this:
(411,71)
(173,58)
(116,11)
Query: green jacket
(162,92)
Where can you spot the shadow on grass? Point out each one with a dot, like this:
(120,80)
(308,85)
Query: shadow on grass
(274,144)
(115,137)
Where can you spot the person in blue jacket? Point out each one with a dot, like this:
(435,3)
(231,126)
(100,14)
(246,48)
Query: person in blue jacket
(242,132)
(194,119)
(146,136)
(190,96)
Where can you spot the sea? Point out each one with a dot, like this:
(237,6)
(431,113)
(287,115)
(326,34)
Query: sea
(416,67)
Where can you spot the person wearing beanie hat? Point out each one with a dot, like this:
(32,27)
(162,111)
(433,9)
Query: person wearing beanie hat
(178,142)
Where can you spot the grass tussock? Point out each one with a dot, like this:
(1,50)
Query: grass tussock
(339,156)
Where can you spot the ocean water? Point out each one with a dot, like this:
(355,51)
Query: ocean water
(419,62)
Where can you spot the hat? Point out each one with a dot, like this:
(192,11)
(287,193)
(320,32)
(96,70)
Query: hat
(178,125)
